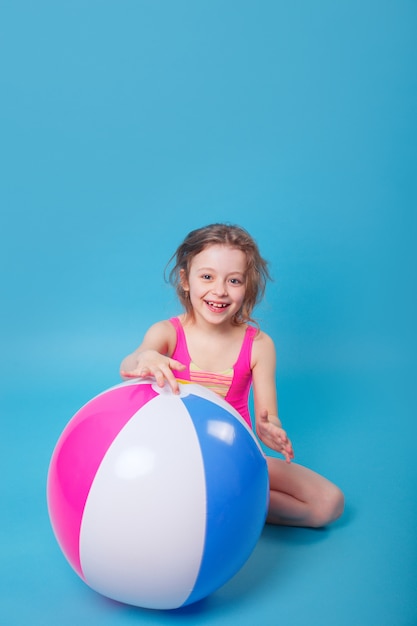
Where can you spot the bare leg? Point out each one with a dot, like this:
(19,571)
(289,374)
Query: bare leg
(300,497)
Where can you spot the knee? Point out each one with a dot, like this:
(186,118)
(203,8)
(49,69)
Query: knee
(328,508)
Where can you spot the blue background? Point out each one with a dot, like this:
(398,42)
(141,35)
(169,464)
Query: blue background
(123,126)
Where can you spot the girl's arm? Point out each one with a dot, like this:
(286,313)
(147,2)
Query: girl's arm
(267,423)
(152,358)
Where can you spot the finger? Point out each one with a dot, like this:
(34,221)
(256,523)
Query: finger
(176,365)
(289,453)
(166,375)
(159,377)
(129,374)
(286,449)
(173,382)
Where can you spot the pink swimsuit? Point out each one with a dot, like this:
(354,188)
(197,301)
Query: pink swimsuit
(233,384)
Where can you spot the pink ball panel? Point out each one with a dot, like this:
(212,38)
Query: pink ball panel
(76,460)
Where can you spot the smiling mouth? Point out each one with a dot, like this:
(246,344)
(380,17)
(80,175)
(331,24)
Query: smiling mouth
(219,306)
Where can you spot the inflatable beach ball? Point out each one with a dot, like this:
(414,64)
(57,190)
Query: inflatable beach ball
(157,499)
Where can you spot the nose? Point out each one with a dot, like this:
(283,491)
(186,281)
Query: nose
(219,288)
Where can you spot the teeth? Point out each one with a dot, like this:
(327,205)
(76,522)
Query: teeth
(217,306)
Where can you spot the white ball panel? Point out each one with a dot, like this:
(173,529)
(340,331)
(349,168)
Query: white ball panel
(136,546)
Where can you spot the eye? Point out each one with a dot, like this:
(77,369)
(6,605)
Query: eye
(206,276)
(235,281)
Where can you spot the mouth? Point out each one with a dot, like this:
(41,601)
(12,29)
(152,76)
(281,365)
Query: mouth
(216,306)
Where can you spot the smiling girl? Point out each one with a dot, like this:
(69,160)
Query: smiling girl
(220,276)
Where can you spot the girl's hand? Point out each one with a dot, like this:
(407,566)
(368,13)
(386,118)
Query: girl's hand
(152,363)
(274,436)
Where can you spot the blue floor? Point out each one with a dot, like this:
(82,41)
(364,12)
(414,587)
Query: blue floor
(123,125)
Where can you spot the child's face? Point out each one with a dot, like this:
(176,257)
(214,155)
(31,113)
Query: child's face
(217,283)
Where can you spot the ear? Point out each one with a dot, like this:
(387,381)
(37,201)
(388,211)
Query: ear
(183,280)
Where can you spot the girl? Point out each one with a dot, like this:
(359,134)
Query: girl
(219,276)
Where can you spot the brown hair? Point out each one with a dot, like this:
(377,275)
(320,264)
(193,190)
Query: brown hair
(229,235)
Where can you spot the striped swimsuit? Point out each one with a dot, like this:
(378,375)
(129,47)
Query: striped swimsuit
(233,384)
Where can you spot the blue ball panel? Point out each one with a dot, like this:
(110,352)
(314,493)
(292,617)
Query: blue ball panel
(237,493)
